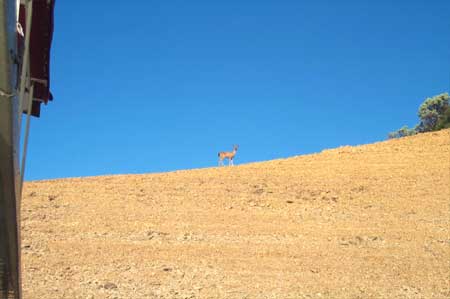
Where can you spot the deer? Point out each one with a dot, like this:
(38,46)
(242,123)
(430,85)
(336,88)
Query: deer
(228,155)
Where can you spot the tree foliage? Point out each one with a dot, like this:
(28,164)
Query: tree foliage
(444,121)
(434,114)
(402,132)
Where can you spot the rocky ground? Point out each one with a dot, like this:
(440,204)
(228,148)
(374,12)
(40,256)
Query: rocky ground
(354,222)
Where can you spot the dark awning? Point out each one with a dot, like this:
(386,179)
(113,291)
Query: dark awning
(40,45)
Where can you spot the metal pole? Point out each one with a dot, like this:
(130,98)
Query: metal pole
(25,142)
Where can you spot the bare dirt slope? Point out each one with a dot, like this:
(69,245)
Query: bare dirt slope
(355,222)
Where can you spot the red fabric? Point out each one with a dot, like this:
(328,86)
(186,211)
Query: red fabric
(40,45)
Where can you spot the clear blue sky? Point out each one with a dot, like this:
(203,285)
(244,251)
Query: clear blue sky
(153,86)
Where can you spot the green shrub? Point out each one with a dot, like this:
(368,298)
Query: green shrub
(404,131)
(444,120)
(434,114)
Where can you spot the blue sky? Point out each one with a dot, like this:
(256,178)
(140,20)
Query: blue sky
(153,86)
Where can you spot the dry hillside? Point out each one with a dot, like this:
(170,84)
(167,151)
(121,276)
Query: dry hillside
(354,222)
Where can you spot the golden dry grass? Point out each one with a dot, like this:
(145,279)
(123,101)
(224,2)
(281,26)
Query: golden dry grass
(354,222)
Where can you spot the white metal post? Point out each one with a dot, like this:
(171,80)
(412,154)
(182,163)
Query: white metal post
(25,141)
